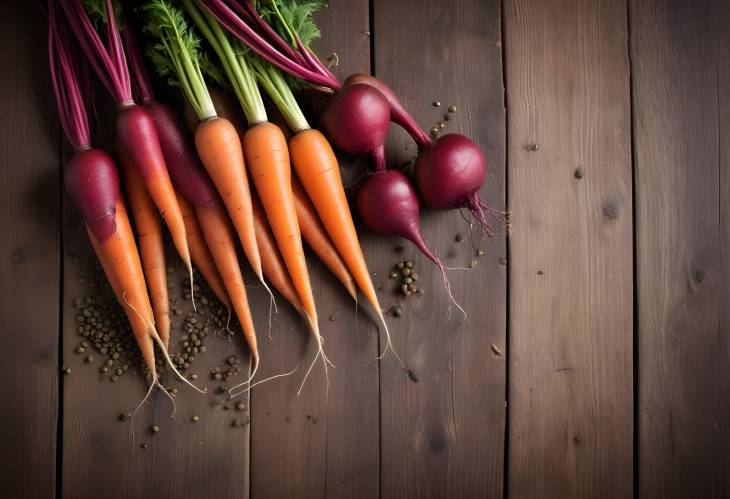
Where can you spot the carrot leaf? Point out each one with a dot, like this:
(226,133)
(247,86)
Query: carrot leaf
(293,18)
(177,55)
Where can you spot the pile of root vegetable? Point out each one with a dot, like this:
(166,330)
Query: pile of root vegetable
(226,176)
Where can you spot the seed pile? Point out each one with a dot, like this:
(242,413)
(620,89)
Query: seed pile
(104,329)
(230,369)
(105,332)
(408,277)
(197,328)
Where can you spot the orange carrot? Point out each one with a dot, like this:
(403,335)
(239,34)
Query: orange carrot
(268,160)
(151,246)
(271,261)
(218,234)
(316,236)
(220,151)
(200,253)
(120,261)
(316,166)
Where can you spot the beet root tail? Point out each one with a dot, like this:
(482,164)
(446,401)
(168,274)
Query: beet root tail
(418,240)
(482,213)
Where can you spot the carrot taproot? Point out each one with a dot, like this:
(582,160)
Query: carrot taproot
(271,261)
(218,234)
(200,254)
(121,263)
(220,151)
(316,165)
(265,148)
(151,246)
(318,239)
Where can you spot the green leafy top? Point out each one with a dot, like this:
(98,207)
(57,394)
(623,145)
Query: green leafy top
(178,55)
(233,58)
(290,17)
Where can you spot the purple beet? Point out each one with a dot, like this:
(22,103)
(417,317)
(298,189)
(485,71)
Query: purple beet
(388,204)
(356,120)
(449,174)
(398,113)
(92,181)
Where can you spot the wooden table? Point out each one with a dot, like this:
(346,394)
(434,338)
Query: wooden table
(594,360)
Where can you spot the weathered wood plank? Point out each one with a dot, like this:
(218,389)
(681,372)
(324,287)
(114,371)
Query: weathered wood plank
(571,286)
(681,72)
(30,248)
(444,435)
(322,444)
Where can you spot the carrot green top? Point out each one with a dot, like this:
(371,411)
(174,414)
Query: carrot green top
(231,54)
(178,55)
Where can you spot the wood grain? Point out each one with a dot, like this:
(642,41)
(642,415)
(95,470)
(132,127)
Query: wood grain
(443,435)
(30,264)
(570,385)
(323,443)
(680,52)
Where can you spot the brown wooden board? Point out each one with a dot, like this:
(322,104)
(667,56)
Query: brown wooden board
(442,430)
(570,384)
(322,443)
(30,267)
(680,69)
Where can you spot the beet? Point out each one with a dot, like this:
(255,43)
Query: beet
(398,113)
(388,204)
(92,181)
(449,174)
(356,120)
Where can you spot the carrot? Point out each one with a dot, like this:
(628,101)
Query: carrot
(219,235)
(273,265)
(267,158)
(200,253)
(265,147)
(220,151)
(319,172)
(316,236)
(121,263)
(151,245)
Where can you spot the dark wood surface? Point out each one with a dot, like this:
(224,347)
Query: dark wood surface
(444,436)
(680,94)
(30,188)
(570,394)
(593,361)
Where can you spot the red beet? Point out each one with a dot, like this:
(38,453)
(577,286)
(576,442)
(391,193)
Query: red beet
(388,204)
(398,114)
(92,181)
(450,173)
(356,120)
